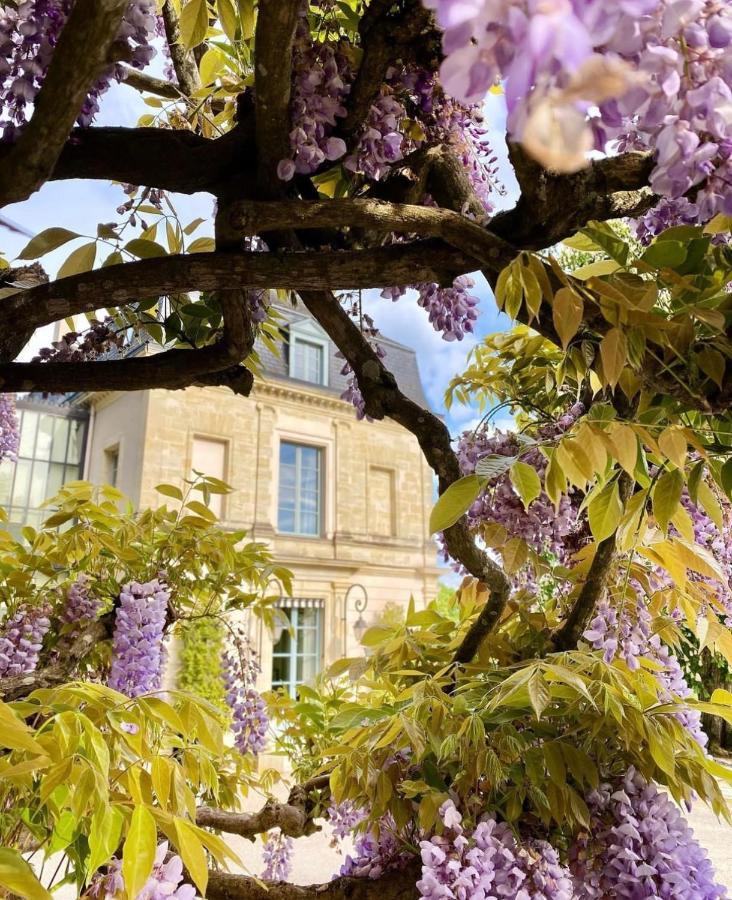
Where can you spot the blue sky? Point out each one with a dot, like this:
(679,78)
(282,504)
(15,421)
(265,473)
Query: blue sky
(80,205)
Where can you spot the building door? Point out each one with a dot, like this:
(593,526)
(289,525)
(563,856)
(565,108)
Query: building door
(297,653)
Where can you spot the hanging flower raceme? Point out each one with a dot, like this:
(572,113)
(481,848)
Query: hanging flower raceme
(542,526)
(640,846)
(376,851)
(627,634)
(453,310)
(321,77)
(249,719)
(80,605)
(21,640)
(29,32)
(488,863)
(9,432)
(658,71)
(137,645)
(343,818)
(277,855)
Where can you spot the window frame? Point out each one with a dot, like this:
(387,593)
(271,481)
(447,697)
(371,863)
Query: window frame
(293,655)
(305,333)
(320,492)
(225,443)
(38,462)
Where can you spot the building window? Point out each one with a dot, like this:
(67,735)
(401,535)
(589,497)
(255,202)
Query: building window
(308,359)
(381,505)
(50,454)
(296,656)
(208,457)
(111,465)
(300,489)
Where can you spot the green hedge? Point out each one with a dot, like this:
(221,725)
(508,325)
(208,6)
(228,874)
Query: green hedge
(200,672)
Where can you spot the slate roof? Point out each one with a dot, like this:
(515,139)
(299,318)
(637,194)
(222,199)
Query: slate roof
(400,359)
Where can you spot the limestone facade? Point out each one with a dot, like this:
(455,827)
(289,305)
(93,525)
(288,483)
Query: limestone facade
(375,489)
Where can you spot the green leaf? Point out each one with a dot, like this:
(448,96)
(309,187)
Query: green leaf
(47,240)
(526,482)
(455,501)
(192,853)
(667,496)
(80,260)
(145,249)
(493,465)
(194,23)
(726,477)
(606,239)
(228,17)
(604,512)
(694,480)
(17,876)
(665,254)
(139,851)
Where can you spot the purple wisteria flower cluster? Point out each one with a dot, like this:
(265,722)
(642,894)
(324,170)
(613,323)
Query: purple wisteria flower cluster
(138,655)
(100,338)
(489,863)
(658,72)
(627,634)
(343,818)
(29,32)
(164,882)
(277,856)
(81,606)
(453,310)
(9,431)
(249,719)
(640,846)
(21,640)
(541,526)
(321,82)
(378,850)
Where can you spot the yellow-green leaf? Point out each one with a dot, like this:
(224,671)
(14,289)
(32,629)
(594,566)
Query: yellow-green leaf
(202,245)
(139,851)
(567,314)
(17,876)
(47,240)
(667,496)
(614,353)
(80,260)
(192,853)
(604,512)
(15,734)
(104,836)
(194,23)
(228,17)
(454,502)
(145,249)
(672,443)
(526,482)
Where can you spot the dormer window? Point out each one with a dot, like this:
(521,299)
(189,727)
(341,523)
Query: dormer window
(308,353)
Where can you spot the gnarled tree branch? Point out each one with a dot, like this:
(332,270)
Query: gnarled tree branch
(394,885)
(274,38)
(184,62)
(569,633)
(117,285)
(82,52)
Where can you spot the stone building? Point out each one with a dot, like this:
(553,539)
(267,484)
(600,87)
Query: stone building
(344,504)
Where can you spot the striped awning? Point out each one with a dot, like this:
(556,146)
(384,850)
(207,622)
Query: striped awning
(301,603)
